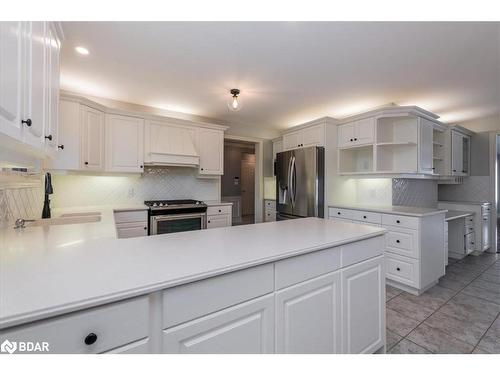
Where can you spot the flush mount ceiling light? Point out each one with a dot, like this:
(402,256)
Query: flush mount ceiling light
(234,103)
(82,50)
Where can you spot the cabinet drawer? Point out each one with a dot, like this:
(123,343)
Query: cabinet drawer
(138,347)
(468,228)
(303,267)
(270,205)
(130,216)
(402,269)
(270,216)
(340,213)
(218,210)
(402,241)
(400,221)
(189,301)
(218,221)
(369,217)
(115,325)
(362,250)
(129,230)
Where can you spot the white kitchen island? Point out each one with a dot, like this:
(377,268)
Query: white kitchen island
(298,286)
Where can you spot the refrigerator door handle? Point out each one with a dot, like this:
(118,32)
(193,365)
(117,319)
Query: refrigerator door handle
(293,181)
(290,187)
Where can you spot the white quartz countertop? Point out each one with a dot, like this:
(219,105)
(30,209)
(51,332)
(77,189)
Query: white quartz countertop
(453,215)
(51,270)
(397,210)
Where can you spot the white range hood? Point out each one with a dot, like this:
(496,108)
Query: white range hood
(170,145)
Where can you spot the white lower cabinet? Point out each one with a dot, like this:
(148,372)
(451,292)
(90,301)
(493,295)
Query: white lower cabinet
(363,306)
(308,316)
(138,347)
(219,216)
(245,328)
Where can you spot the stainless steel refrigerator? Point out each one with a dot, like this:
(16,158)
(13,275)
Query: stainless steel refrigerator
(300,183)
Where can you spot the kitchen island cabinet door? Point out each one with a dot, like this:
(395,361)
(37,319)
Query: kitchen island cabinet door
(363,306)
(246,328)
(308,316)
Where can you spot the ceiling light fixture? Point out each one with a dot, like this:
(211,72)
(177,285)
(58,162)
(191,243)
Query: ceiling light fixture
(82,50)
(234,104)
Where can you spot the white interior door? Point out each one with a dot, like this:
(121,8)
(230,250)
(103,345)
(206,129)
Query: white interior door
(248,185)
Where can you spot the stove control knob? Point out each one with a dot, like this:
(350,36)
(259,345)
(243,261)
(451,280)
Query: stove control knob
(155,204)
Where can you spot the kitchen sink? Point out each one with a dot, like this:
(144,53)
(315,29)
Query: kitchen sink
(67,219)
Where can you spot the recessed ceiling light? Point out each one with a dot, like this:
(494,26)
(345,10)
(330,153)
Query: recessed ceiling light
(82,50)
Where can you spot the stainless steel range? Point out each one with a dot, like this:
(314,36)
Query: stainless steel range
(170,216)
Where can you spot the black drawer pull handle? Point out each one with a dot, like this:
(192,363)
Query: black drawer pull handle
(220,210)
(397,241)
(86,163)
(398,269)
(27,122)
(90,339)
(364,216)
(208,221)
(141,166)
(351,140)
(338,213)
(397,221)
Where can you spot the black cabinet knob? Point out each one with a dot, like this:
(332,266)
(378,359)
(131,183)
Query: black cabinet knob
(454,170)
(61,147)
(208,221)
(86,163)
(90,339)
(398,269)
(364,217)
(49,137)
(27,122)
(397,221)
(201,168)
(145,228)
(351,139)
(355,139)
(463,171)
(141,166)
(397,241)
(220,210)
(338,213)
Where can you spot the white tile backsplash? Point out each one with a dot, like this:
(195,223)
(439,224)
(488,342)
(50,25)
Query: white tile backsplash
(21,202)
(473,189)
(154,183)
(414,193)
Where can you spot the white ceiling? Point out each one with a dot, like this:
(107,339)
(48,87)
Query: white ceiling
(288,72)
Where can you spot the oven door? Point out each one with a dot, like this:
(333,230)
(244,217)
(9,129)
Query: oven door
(162,224)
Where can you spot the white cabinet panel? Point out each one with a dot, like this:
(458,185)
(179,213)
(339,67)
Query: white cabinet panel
(69,144)
(210,146)
(92,138)
(308,316)
(130,230)
(291,141)
(219,221)
(364,131)
(425,147)
(346,135)
(247,328)
(36,82)
(124,144)
(53,68)
(456,153)
(313,136)
(11,77)
(138,347)
(363,306)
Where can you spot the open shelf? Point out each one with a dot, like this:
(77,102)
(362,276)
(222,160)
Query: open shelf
(397,130)
(397,144)
(398,157)
(356,160)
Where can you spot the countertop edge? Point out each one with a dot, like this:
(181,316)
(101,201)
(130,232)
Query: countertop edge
(20,319)
(385,211)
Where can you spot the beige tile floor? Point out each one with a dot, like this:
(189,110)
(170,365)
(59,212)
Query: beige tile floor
(459,315)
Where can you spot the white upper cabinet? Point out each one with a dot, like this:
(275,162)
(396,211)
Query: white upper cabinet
(124,143)
(11,67)
(29,72)
(210,146)
(307,137)
(355,133)
(460,154)
(92,146)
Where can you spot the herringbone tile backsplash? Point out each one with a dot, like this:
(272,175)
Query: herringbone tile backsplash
(154,183)
(414,193)
(82,190)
